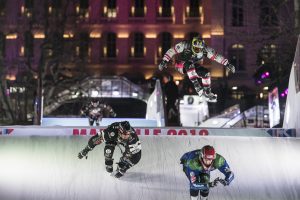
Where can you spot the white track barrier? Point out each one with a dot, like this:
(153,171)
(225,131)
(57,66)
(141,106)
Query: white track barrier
(292,107)
(45,167)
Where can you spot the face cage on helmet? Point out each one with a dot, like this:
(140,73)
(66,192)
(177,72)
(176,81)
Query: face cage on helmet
(95,103)
(124,131)
(196,49)
(197,45)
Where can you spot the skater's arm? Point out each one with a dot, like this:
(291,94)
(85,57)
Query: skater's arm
(213,55)
(133,146)
(96,140)
(178,48)
(225,169)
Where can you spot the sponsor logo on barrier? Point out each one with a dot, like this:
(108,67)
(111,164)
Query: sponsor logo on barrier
(187,132)
(84,131)
(147,131)
(282,132)
(6,131)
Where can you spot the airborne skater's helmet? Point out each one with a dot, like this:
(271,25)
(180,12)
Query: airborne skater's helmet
(208,154)
(197,45)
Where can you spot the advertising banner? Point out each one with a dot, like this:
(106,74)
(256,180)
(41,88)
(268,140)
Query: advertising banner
(274,110)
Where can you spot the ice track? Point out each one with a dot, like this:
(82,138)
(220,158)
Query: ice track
(37,168)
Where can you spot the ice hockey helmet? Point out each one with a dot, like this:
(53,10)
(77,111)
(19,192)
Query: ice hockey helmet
(125,126)
(95,102)
(208,152)
(197,44)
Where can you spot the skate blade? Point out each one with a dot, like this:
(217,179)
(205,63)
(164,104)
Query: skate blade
(211,101)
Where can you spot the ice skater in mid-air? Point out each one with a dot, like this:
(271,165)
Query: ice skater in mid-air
(197,166)
(187,55)
(118,133)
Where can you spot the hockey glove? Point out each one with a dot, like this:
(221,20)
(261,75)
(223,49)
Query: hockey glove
(214,183)
(231,68)
(84,152)
(162,65)
(118,175)
(223,182)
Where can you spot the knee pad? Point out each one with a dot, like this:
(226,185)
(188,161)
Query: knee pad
(109,161)
(109,151)
(135,158)
(204,193)
(204,178)
(194,193)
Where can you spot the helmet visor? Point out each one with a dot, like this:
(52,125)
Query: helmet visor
(125,135)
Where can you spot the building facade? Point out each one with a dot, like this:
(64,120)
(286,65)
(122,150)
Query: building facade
(116,37)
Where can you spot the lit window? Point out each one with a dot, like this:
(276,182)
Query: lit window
(28,7)
(83,9)
(166,41)
(28,51)
(267,54)
(165,9)
(83,45)
(111,45)
(138,8)
(237,56)
(193,10)
(138,45)
(110,9)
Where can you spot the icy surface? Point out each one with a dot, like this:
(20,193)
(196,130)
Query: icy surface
(48,168)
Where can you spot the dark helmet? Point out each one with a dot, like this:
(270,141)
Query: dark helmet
(197,44)
(125,127)
(95,102)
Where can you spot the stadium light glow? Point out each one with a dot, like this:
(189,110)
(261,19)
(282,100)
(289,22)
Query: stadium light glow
(115,93)
(134,94)
(94,93)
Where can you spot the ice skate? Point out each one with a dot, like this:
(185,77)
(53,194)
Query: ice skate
(109,168)
(209,96)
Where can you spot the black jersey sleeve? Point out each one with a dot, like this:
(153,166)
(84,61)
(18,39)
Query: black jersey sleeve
(111,132)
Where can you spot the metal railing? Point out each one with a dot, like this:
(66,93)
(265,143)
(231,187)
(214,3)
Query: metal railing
(104,87)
